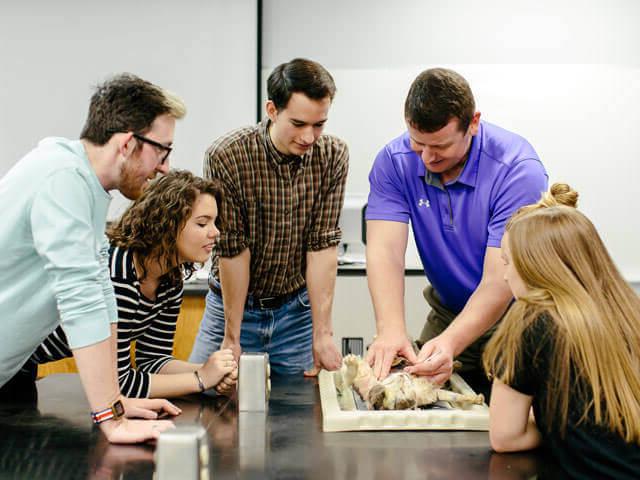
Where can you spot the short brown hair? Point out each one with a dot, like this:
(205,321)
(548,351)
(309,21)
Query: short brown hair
(151,224)
(436,96)
(126,103)
(299,75)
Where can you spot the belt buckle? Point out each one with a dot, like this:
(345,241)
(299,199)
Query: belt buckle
(267,302)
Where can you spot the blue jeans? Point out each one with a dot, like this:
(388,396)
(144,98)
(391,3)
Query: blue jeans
(285,333)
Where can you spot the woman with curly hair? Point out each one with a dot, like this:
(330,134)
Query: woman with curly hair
(569,346)
(154,245)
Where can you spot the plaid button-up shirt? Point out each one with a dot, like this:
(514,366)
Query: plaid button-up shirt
(277,206)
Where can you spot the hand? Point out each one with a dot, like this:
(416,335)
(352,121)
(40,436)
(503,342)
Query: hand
(148,408)
(110,460)
(228,383)
(234,346)
(384,350)
(435,361)
(134,431)
(325,355)
(218,365)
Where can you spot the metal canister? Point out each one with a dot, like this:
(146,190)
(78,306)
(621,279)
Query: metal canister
(182,452)
(254,383)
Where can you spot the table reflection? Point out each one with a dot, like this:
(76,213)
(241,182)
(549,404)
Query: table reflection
(56,440)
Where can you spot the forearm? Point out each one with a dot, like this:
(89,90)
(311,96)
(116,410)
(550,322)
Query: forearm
(97,369)
(528,439)
(114,351)
(174,384)
(483,309)
(322,267)
(386,247)
(234,280)
(512,426)
(385,277)
(178,366)
(174,378)
(178,377)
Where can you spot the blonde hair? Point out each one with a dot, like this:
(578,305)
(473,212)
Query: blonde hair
(127,103)
(175,105)
(594,316)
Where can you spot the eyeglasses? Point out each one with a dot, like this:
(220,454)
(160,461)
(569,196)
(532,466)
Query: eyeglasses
(157,145)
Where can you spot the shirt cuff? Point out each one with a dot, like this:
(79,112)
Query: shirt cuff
(87,330)
(391,217)
(321,240)
(494,242)
(231,245)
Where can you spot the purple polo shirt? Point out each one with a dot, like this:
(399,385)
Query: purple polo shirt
(453,224)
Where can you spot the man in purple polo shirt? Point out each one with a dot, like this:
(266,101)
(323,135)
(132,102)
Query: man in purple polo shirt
(457,180)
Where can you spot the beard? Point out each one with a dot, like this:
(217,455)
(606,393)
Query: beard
(132,183)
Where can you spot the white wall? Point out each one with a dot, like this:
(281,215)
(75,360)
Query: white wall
(353,312)
(566,75)
(54,52)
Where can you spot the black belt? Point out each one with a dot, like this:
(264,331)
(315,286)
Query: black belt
(263,303)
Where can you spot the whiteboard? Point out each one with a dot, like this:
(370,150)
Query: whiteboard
(53,53)
(564,75)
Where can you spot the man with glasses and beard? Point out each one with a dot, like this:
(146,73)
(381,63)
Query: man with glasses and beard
(54,264)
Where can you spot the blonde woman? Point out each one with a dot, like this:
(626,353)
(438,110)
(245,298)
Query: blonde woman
(569,346)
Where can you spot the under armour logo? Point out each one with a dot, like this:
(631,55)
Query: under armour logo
(424,202)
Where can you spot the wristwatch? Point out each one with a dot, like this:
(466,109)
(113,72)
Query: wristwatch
(114,412)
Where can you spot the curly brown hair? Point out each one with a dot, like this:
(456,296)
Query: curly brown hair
(150,226)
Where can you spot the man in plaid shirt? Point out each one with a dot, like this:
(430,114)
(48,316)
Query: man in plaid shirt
(274,266)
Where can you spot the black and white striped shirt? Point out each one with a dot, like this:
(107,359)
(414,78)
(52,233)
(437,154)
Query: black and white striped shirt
(151,323)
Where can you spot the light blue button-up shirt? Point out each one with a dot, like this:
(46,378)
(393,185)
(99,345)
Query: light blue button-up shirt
(53,253)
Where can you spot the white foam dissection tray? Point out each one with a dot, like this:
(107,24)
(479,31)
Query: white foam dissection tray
(340,414)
